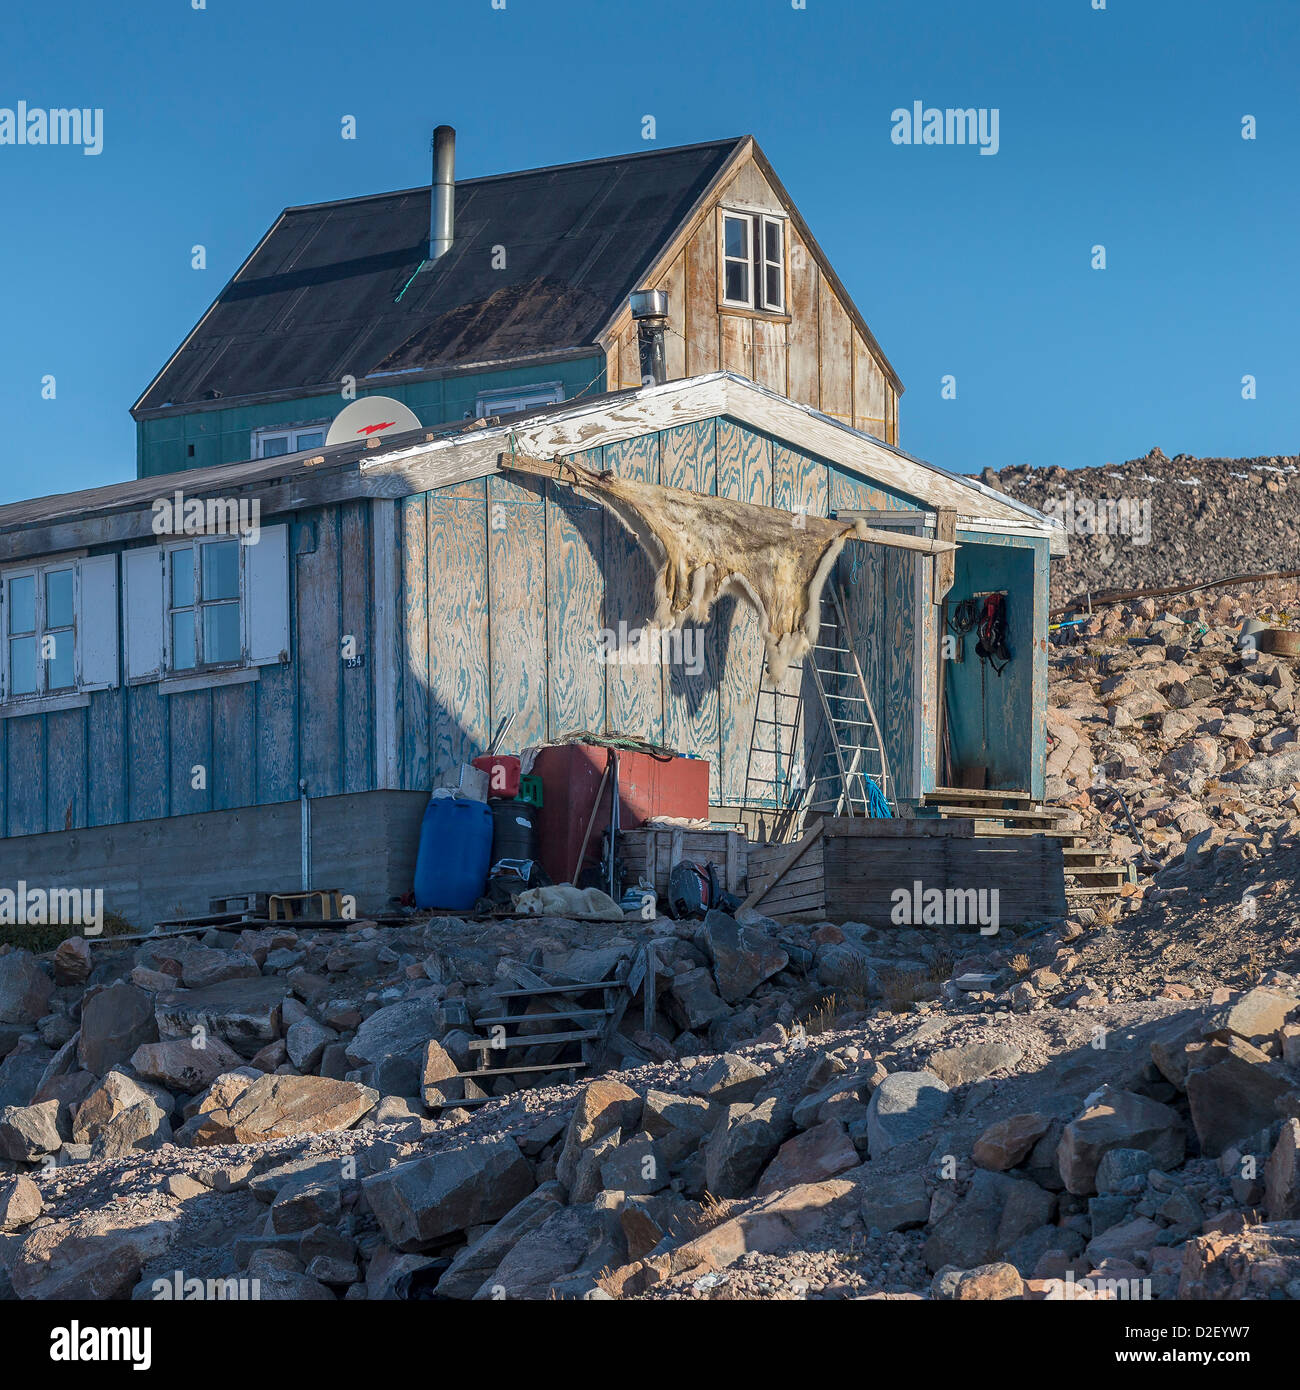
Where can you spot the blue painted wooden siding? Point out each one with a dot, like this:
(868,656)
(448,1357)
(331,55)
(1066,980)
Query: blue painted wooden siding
(990,715)
(224,436)
(130,755)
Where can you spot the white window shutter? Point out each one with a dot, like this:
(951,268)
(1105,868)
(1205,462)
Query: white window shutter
(145,609)
(266,591)
(97,629)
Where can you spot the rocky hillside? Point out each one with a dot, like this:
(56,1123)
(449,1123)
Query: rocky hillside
(1105,1105)
(1157,521)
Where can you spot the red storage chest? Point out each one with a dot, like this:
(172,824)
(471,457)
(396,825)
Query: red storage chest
(648,787)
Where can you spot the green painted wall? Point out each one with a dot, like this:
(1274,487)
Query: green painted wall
(225,436)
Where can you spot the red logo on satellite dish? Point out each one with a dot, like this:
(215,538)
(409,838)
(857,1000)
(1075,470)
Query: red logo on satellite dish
(371,429)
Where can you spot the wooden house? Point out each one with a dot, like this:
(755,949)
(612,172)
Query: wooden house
(398,601)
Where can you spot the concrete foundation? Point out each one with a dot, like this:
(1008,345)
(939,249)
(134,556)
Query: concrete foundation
(363,844)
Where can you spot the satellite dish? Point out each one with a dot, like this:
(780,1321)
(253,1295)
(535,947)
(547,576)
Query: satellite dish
(370,416)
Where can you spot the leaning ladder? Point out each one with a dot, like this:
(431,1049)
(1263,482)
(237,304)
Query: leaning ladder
(848,748)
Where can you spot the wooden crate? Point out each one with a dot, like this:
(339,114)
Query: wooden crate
(848,870)
(651,851)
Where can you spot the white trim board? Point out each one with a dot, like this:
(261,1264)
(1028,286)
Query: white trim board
(460,458)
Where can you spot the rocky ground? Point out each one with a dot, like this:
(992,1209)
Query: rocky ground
(1102,1106)
(1156,521)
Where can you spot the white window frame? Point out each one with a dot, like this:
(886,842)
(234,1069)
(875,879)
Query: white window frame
(37,573)
(512,399)
(763,264)
(200,667)
(755,259)
(746,219)
(291,435)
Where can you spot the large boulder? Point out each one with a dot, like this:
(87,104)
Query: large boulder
(894,1204)
(278,1107)
(114,1095)
(1007,1143)
(439,1071)
(1256,1016)
(181,1066)
(996,1211)
(20,1203)
(544,1258)
(604,1107)
(202,966)
(244,1013)
(739,1150)
(25,988)
(742,958)
(680,1123)
(905,1106)
(114,1022)
(423,1202)
(306,1040)
(692,1002)
(1232,1090)
(22,1072)
(729,1080)
(28,1132)
(1117,1120)
(958,1066)
(1282,1175)
(72,962)
(824,1151)
(397,1030)
(477,1262)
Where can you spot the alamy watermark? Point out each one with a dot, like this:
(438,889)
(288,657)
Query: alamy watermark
(63,907)
(951,125)
(60,125)
(179,1289)
(1103,516)
(179,515)
(919,906)
(651,646)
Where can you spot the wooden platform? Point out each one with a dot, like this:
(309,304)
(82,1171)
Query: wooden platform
(851,869)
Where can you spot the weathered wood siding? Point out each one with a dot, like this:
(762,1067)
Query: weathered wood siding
(812,353)
(507,617)
(135,754)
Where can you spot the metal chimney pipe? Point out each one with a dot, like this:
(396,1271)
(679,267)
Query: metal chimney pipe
(442,204)
(650,314)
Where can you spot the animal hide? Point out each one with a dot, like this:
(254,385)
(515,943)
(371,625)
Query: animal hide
(705,547)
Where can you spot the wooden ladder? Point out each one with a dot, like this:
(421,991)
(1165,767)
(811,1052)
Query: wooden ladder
(848,747)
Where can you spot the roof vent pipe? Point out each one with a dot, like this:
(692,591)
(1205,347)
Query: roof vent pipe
(650,314)
(442,206)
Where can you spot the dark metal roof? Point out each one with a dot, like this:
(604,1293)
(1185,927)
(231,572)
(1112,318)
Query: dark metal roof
(317,299)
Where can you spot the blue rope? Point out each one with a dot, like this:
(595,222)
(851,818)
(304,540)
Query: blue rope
(877,806)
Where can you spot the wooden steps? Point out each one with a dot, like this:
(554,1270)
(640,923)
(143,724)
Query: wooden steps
(551,1015)
(532,1040)
(532,1005)
(995,812)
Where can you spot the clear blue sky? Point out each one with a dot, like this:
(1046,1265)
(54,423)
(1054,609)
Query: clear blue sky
(1120,127)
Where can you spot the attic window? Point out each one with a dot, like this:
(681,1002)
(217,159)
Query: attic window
(271,443)
(510,402)
(753,261)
